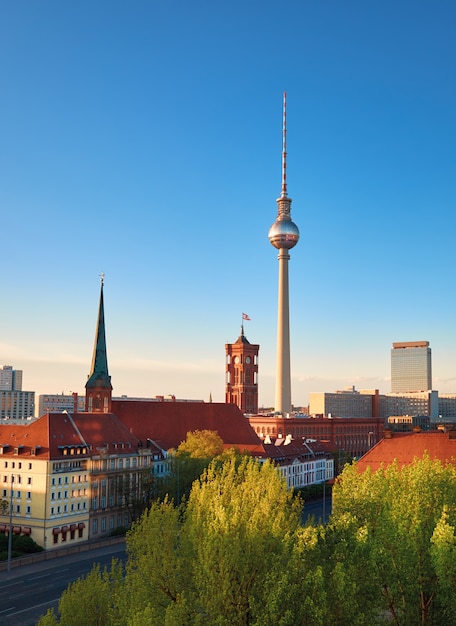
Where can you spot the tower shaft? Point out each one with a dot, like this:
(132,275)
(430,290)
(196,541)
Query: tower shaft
(283,372)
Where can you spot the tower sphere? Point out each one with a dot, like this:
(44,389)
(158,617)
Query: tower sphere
(284,234)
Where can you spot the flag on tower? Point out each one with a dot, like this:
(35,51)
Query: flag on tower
(246,317)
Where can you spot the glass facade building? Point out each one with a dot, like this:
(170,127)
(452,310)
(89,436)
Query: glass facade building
(411,367)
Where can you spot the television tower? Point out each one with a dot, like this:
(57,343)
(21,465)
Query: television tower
(283,235)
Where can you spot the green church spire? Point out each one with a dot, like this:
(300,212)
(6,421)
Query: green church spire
(99,380)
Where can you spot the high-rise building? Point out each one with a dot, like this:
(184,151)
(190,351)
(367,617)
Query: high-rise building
(10,380)
(15,404)
(241,384)
(283,235)
(411,367)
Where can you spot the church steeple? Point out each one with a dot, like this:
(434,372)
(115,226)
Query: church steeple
(98,385)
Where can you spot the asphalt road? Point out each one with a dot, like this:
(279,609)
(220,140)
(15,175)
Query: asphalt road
(28,592)
(317,509)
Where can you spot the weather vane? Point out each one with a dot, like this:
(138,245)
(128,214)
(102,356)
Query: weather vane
(102,278)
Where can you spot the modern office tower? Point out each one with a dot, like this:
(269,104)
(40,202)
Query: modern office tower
(241,383)
(283,235)
(10,380)
(15,404)
(411,367)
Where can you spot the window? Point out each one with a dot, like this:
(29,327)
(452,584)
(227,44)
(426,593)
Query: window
(95,503)
(18,508)
(28,510)
(95,526)
(52,510)
(103,524)
(52,496)
(29,480)
(103,502)
(30,466)
(6,463)
(111,522)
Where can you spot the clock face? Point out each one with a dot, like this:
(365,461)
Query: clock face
(236,359)
(247,360)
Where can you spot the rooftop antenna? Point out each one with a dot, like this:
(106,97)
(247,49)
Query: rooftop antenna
(284,147)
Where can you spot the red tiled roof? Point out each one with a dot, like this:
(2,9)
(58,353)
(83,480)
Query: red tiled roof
(56,430)
(168,423)
(405,447)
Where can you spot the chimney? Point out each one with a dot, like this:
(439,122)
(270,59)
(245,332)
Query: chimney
(75,402)
(388,433)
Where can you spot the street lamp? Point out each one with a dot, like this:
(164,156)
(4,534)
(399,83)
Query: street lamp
(10,534)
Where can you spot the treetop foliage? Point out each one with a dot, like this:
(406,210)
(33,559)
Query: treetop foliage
(235,553)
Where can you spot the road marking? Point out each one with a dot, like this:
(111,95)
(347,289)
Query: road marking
(11,608)
(35,606)
(42,576)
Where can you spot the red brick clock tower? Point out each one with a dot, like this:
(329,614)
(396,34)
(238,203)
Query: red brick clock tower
(241,374)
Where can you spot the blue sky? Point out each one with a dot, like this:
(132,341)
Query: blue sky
(143,140)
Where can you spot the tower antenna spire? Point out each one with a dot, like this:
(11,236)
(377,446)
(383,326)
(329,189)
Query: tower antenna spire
(284,147)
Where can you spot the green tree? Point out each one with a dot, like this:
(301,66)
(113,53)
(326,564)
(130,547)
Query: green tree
(90,600)
(241,520)
(201,444)
(188,462)
(399,513)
